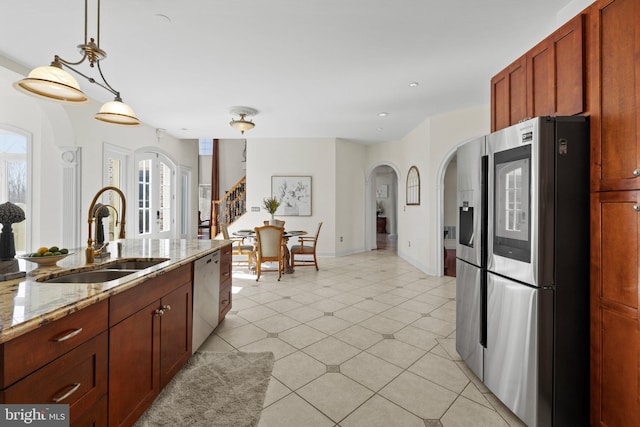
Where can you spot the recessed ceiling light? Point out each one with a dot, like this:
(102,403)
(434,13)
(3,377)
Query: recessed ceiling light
(378,129)
(414,84)
(383,114)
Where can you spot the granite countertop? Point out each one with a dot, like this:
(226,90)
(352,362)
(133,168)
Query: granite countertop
(26,304)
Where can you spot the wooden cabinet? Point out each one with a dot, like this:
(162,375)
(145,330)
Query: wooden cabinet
(555,72)
(615,336)
(69,366)
(225,281)
(509,95)
(150,340)
(381,225)
(615,89)
(547,80)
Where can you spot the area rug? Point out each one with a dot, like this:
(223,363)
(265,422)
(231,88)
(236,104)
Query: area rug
(214,389)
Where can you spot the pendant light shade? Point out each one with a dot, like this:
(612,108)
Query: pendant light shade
(117,112)
(55,84)
(242,124)
(51,83)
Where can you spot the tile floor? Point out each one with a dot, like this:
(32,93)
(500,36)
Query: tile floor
(368,340)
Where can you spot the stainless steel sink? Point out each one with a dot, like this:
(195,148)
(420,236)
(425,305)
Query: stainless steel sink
(135,264)
(93,276)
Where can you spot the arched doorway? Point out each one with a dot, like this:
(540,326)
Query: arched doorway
(382,208)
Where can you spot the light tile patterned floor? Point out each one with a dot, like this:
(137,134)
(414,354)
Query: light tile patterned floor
(367,341)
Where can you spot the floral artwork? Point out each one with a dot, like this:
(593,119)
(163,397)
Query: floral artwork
(294,193)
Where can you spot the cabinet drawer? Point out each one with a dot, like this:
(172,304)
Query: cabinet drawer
(79,379)
(52,340)
(225,301)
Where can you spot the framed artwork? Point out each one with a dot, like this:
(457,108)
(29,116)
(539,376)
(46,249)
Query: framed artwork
(294,193)
(382,192)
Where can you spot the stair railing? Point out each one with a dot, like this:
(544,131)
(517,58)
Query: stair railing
(231,206)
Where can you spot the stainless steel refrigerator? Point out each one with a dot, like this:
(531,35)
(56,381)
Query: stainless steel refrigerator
(535,307)
(471,254)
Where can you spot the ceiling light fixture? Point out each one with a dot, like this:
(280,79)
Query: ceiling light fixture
(53,83)
(242,124)
(414,84)
(383,114)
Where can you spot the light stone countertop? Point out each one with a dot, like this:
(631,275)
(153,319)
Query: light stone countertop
(26,304)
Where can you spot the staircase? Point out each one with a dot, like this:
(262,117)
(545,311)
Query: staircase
(231,206)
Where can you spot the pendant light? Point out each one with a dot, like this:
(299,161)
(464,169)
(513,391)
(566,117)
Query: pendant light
(53,83)
(242,124)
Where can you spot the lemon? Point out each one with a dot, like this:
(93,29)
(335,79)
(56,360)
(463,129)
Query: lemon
(48,253)
(54,249)
(36,255)
(64,251)
(43,250)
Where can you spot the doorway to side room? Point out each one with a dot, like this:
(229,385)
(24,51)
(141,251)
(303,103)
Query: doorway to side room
(384,211)
(450,217)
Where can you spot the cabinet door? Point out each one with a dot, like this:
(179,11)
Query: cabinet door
(509,95)
(175,335)
(615,90)
(615,338)
(134,365)
(555,70)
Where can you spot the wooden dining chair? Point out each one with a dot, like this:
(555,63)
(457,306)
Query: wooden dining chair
(269,248)
(238,246)
(306,249)
(279,223)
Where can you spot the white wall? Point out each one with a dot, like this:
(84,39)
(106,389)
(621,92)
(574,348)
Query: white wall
(53,126)
(427,147)
(231,159)
(350,197)
(315,157)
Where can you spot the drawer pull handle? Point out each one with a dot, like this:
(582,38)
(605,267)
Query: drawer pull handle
(225,302)
(68,335)
(159,312)
(225,273)
(166,307)
(636,172)
(73,389)
(636,208)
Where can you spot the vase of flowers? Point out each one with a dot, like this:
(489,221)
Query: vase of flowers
(271,204)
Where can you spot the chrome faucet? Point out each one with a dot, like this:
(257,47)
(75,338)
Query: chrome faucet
(91,252)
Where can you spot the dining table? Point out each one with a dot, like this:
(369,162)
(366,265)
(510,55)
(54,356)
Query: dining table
(286,235)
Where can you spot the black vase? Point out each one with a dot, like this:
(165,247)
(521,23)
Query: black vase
(7,244)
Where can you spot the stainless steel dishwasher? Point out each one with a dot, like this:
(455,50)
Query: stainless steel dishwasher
(206,297)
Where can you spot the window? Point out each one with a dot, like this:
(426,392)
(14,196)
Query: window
(413,186)
(14,179)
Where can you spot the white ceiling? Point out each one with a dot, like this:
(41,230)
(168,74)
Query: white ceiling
(312,68)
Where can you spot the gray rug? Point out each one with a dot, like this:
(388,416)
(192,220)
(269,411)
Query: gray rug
(214,389)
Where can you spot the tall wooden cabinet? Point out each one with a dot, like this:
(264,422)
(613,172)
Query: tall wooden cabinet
(614,27)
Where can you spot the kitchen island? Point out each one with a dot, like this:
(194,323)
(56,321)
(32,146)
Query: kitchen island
(104,348)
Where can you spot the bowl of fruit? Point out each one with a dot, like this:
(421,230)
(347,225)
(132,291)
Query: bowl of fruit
(46,256)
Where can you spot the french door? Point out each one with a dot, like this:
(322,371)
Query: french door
(156,196)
